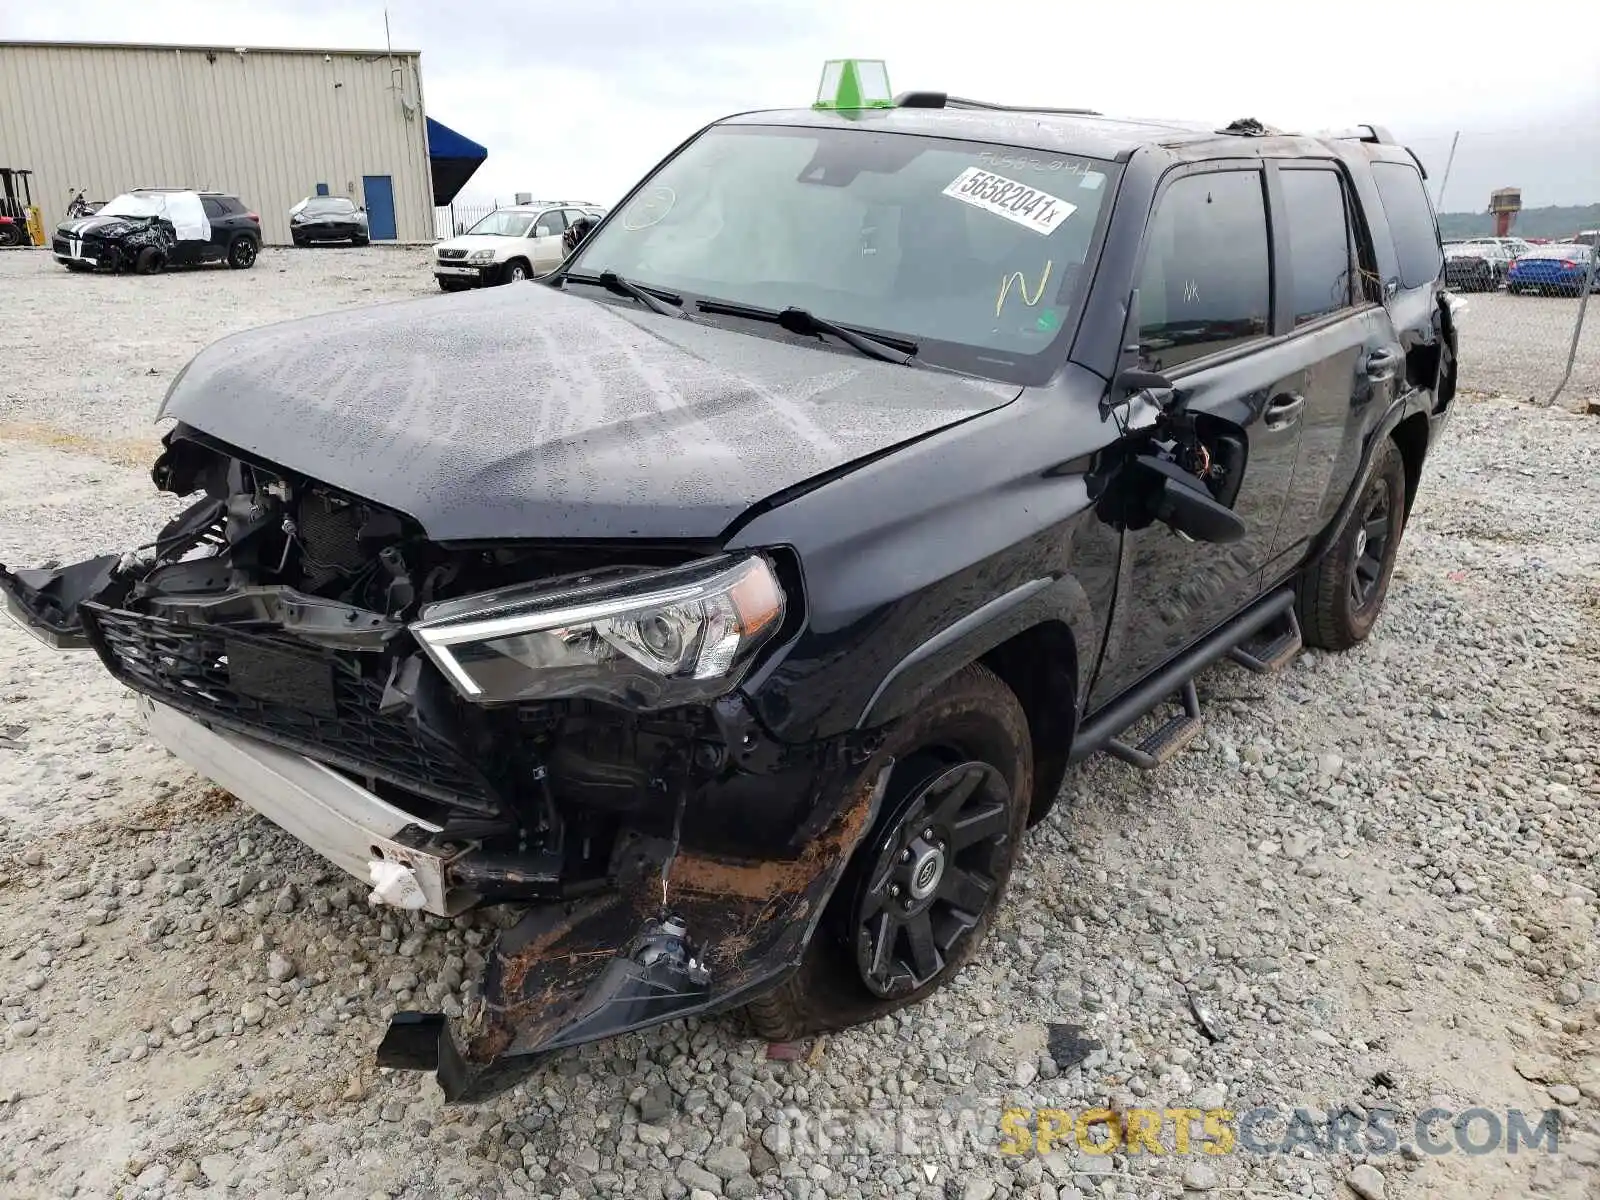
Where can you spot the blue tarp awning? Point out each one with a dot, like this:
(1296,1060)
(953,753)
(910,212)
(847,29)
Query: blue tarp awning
(453,158)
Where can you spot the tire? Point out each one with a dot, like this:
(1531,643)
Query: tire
(78,268)
(970,730)
(242,254)
(515,271)
(10,235)
(1340,595)
(360,241)
(150,261)
(450,285)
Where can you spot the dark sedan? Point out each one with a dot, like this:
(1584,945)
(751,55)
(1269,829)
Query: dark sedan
(1475,266)
(328,219)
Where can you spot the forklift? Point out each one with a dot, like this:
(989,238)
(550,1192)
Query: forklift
(20,221)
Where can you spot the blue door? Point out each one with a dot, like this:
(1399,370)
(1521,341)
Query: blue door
(378,191)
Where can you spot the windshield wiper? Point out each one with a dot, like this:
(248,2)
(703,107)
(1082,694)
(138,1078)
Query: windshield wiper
(656,299)
(798,320)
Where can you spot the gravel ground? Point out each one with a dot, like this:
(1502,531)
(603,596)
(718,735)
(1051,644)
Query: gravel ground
(1375,876)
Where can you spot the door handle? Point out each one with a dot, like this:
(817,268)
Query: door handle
(1283,410)
(1381,365)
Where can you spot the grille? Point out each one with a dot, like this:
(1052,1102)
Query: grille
(452,254)
(186,667)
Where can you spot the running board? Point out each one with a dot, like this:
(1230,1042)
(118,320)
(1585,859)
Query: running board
(1103,730)
(1267,657)
(1167,741)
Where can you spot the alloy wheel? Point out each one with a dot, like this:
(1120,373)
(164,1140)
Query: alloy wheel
(1371,544)
(930,876)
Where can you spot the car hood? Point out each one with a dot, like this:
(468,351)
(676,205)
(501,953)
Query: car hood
(99,225)
(525,412)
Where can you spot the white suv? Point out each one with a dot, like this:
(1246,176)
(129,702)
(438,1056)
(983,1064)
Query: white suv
(508,245)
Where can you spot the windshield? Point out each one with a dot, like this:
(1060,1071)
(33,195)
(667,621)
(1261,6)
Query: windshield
(127,205)
(328,205)
(504,224)
(974,251)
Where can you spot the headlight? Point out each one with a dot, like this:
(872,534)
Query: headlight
(648,641)
(480,256)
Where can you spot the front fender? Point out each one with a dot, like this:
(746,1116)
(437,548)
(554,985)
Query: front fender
(968,638)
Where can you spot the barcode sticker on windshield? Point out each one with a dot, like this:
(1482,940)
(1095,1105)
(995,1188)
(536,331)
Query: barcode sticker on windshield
(1039,211)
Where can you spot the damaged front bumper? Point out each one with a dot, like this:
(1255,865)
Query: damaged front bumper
(558,731)
(675,933)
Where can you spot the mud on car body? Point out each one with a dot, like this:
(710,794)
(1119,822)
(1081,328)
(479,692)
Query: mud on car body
(726,605)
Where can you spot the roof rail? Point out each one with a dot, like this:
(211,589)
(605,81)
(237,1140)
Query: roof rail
(945,100)
(1376,134)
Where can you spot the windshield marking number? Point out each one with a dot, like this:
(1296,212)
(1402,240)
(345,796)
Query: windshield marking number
(1028,207)
(1016,277)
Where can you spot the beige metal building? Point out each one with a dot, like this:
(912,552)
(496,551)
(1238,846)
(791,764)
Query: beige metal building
(267,125)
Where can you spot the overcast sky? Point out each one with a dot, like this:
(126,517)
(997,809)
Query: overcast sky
(579,98)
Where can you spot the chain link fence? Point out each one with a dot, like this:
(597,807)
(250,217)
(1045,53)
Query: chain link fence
(1529,273)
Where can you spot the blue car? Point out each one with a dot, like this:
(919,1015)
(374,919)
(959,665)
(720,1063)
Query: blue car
(1558,269)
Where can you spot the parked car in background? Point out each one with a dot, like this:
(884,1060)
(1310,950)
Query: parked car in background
(508,245)
(1558,270)
(1478,266)
(328,219)
(149,229)
(1586,237)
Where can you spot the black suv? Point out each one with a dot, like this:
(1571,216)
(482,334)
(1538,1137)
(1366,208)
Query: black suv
(149,229)
(729,603)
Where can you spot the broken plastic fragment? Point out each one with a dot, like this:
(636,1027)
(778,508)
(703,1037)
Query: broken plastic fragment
(394,883)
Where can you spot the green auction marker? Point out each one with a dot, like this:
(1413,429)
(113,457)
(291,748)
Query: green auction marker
(1049,320)
(853,83)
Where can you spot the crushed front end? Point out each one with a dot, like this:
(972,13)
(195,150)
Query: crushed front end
(552,726)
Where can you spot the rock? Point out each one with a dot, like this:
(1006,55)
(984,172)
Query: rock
(1197,1177)
(218,1168)
(73,889)
(180,1025)
(1366,1181)
(32,856)
(652,1135)
(1569,993)
(656,1107)
(692,1176)
(393,1110)
(728,1161)
(252,1012)
(279,968)
(152,1176)
(1564,1093)
(25,1028)
(34,980)
(1209,1097)
(188,1171)
(979,1188)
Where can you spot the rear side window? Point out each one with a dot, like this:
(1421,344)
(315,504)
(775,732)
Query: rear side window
(213,207)
(1206,282)
(1411,222)
(1320,244)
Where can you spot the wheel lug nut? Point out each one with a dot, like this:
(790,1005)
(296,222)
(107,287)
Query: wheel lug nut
(927,835)
(908,906)
(894,889)
(905,855)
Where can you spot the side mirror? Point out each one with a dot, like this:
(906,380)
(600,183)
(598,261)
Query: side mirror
(1182,503)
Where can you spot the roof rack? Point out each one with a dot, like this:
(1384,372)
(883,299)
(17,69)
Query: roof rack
(945,100)
(1376,134)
